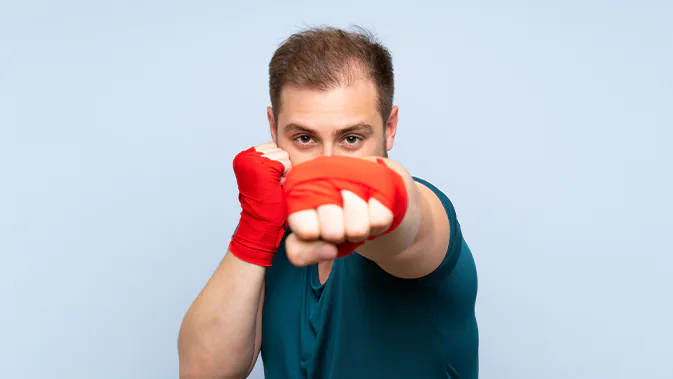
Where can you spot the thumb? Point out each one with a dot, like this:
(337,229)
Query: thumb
(305,253)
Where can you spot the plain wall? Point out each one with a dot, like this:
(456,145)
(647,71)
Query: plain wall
(548,124)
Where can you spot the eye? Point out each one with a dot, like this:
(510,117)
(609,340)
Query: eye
(351,140)
(304,138)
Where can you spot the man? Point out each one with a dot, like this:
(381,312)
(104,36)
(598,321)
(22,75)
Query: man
(343,265)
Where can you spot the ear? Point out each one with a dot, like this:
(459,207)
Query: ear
(272,124)
(391,127)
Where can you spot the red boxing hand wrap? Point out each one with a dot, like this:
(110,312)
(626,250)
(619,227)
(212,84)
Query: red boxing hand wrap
(263,213)
(321,180)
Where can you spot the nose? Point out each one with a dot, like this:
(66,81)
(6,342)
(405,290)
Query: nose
(327,151)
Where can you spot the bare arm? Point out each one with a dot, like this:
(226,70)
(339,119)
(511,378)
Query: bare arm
(258,331)
(220,336)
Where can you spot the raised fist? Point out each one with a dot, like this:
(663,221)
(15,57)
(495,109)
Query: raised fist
(259,171)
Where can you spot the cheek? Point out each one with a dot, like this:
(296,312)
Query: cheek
(286,144)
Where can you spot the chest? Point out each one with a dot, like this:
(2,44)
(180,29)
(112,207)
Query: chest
(324,270)
(309,328)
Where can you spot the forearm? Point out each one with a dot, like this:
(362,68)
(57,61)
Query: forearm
(217,336)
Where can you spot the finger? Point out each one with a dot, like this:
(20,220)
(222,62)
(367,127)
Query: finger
(331,221)
(266,146)
(287,166)
(277,154)
(305,224)
(281,156)
(304,253)
(380,217)
(356,217)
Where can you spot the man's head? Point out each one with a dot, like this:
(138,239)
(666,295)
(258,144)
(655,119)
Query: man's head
(332,94)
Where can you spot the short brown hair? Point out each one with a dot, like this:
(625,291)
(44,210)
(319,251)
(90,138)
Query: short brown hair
(323,58)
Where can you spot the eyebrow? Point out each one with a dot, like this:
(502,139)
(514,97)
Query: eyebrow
(362,128)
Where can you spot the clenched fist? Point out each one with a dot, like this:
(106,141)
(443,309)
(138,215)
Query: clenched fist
(336,203)
(259,171)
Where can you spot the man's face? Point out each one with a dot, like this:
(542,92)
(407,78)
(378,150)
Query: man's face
(340,121)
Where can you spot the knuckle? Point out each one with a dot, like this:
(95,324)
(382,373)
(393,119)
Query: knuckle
(332,235)
(306,232)
(304,224)
(380,215)
(381,223)
(357,231)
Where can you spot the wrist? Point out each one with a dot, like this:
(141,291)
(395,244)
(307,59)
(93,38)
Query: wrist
(255,241)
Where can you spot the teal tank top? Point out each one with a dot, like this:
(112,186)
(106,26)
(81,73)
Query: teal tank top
(366,323)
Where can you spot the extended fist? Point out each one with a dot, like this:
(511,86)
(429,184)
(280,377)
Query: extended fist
(337,203)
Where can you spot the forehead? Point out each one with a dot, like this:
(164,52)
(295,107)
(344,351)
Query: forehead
(354,103)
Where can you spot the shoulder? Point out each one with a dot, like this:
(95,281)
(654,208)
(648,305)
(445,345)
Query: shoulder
(447,205)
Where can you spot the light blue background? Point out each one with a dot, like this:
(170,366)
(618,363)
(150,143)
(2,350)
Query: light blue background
(547,123)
